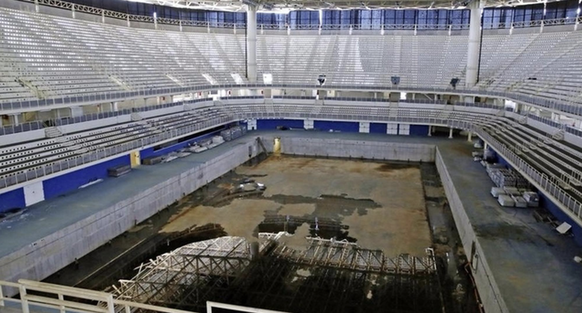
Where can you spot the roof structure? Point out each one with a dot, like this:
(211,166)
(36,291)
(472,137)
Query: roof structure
(286,5)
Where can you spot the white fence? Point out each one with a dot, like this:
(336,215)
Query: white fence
(67,299)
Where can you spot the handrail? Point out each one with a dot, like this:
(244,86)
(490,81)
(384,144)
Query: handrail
(101,302)
(573,108)
(547,182)
(550,184)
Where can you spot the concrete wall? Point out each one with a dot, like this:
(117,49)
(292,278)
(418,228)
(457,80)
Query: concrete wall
(374,150)
(40,259)
(488,290)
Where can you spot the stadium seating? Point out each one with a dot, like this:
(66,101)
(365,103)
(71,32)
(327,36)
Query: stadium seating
(51,57)
(48,57)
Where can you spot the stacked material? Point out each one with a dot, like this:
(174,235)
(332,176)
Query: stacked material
(497,191)
(503,177)
(216,141)
(233,132)
(493,166)
(238,131)
(477,156)
(506,201)
(512,191)
(198,149)
(532,198)
(520,202)
(119,170)
(152,160)
(226,134)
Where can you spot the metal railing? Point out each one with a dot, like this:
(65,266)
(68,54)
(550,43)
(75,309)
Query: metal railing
(549,184)
(573,108)
(37,296)
(34,125)
(94,156)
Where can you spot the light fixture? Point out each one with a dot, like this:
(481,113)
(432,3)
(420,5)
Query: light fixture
(395,80)
(321,79)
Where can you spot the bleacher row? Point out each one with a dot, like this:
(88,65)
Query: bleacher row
(47,57)
(557,160)
(43,157)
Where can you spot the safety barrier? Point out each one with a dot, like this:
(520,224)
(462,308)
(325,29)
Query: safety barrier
(68,299)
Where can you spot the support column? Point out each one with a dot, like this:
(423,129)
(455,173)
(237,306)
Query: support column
(251,44)
(429,130)
(474,44)
(450,133)
(15,120)
(577,18)
(470,136)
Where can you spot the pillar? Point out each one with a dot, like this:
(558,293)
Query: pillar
(36,8)
(577,18)
(73,11)
(429,130)
(251,44)
(15,120)
(450,133)
(470,136)
(474,44)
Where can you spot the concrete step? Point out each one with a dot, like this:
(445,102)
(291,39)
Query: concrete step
(136,117)
(52,132)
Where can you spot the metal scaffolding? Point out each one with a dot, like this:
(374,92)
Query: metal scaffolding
(325,276)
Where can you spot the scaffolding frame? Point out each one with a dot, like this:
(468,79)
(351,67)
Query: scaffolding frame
(327,275)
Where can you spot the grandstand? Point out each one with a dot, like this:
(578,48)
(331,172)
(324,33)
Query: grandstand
(86,88)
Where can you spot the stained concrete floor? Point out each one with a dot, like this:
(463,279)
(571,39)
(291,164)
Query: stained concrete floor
(532,265)
(377,205)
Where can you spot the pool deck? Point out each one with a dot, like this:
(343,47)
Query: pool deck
(531,263)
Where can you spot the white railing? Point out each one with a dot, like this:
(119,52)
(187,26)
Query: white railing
(67,299)
(567,107)
(547,184)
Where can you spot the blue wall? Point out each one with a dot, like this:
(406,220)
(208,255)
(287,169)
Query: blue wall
(353,127)
(562,217)
(12,199)
(378,128)
(59,185)
(419,130)
(273,124)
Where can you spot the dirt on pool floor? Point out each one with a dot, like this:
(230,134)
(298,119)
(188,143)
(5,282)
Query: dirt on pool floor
(377,205)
